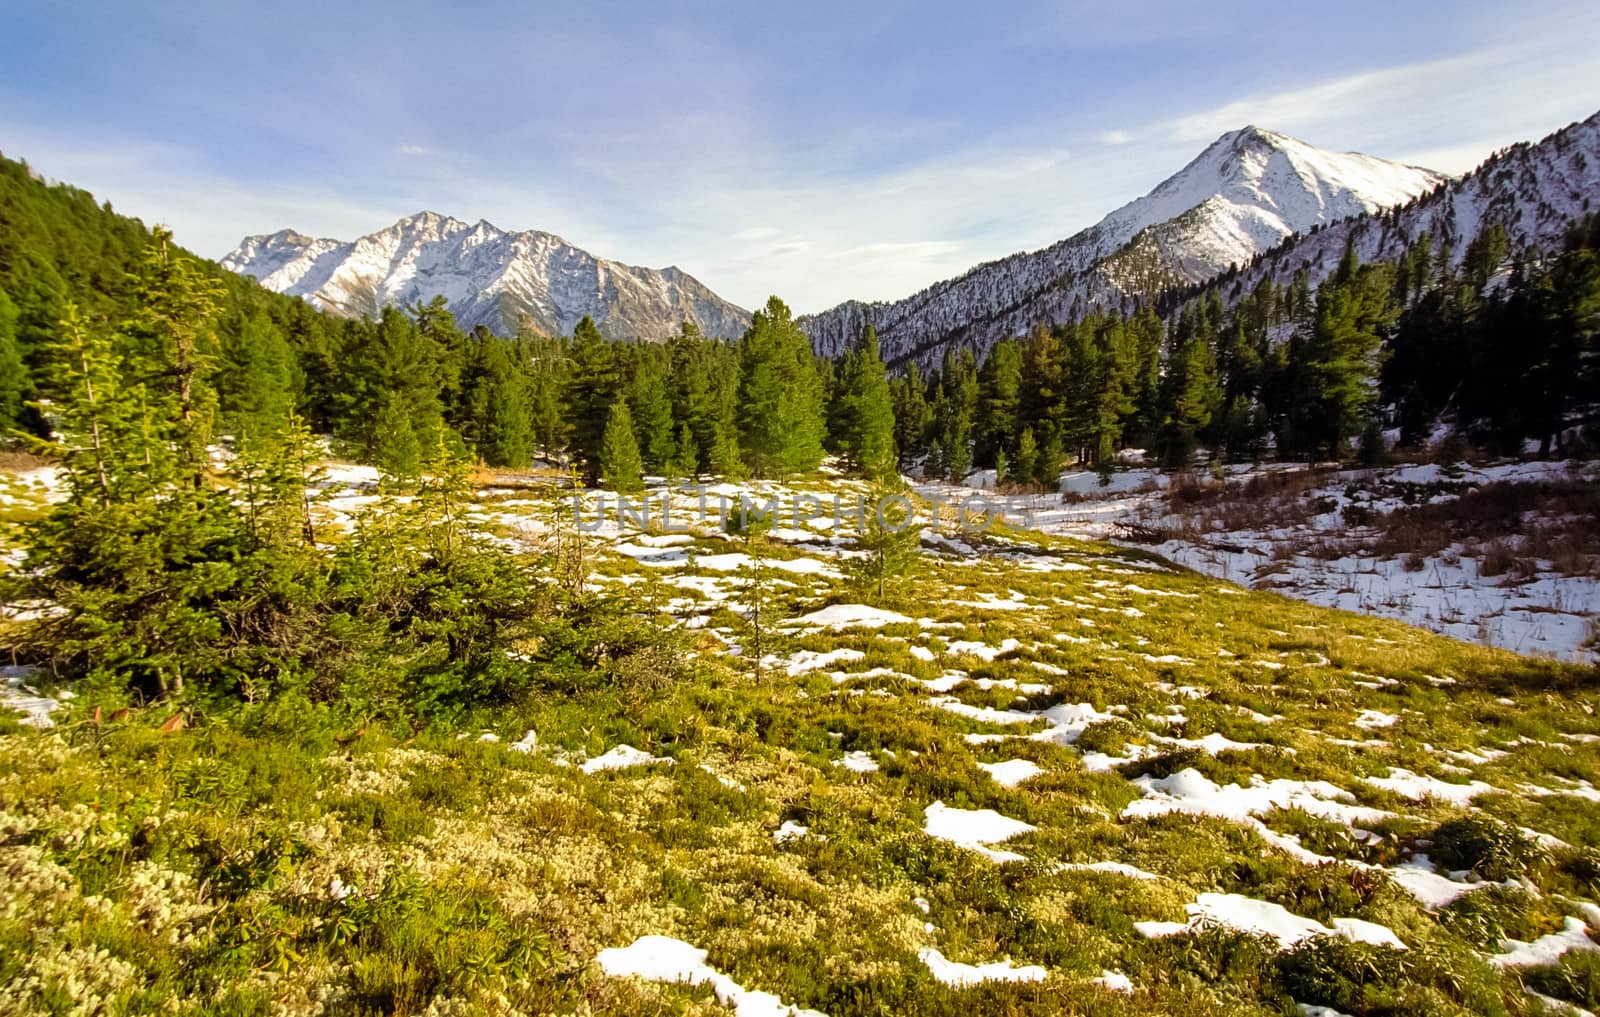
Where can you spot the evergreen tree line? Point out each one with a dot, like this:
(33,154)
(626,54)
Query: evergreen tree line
(1506,346)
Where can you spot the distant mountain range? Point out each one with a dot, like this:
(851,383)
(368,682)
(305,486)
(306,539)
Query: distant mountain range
(1254,202)
(490,277)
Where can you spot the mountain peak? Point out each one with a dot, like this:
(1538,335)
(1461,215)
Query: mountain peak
(506,281)
(1243,194)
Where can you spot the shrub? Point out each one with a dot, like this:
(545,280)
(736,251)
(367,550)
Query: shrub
(1353,978)
(1486,846)
(1164,765)
(1107,736)
(1576,979)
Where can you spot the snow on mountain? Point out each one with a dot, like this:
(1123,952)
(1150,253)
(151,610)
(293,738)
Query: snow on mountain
(489,277)
(1242,195)
(1534,190)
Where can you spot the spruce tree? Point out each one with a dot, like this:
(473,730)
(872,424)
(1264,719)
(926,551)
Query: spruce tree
(862,414)
(620,464)
(651,408)
(781,416)
(15,388)
(593,386)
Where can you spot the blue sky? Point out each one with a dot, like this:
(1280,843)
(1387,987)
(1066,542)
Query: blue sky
(817,150)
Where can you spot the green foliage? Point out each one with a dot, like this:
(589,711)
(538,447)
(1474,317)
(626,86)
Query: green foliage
(780,406)
(620,463)
(1494,850)
(891,542)
(861,415)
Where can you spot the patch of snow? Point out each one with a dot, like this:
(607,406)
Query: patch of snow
(974,829)
(847,616)
(1011,772)
(963,976)
(1546,949)
(664,959)
(621,758)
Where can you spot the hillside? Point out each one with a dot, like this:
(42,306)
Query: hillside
(489,277)
(1242,195)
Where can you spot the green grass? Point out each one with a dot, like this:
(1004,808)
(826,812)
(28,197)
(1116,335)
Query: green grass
(191,872)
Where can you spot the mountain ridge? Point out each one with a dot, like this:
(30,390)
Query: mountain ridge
(500,279)
(1256,187)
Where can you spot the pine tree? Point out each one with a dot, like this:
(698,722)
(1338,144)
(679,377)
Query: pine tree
(862,414)
(593,386)
(913,416)
(1190,395)
(15,387)
(1338,361)
(173,328)
(1027,465)
(620,463)
(685,461)
(257,379)
(999,397)
(443,494)
(781,416)
(890,542)
(953,413)
(1048,469)
(651,408)
(398,451)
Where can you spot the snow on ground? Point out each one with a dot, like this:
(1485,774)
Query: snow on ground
(1546,949)
(1011,772)
(1417,787)
(848,616)
(1548,613)
(18,697)
(1259,917)
(664,959)
(858,762)
(974,829)
(964,976)
(1113,981)
(622,757)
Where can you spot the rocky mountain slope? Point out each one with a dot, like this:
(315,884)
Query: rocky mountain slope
(490,277)
(1535,190)
(1247,192)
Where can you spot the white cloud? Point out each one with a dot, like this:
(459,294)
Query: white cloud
(1115,137)
(758,233)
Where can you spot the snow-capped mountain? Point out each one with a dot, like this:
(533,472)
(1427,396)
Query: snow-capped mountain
(489,277)
(1535,190)
(1242,195)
